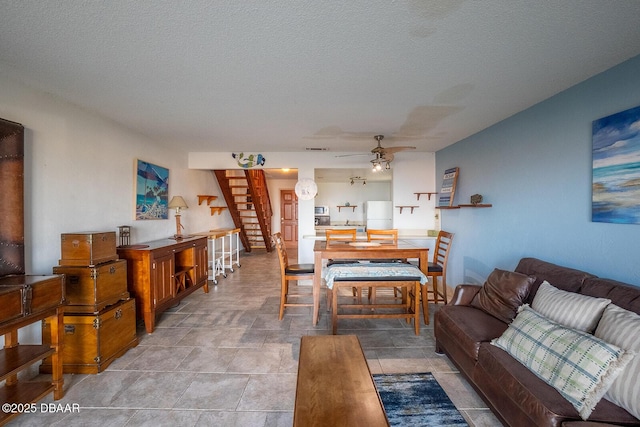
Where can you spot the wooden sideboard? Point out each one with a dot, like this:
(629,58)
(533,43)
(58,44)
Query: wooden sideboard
(162,272)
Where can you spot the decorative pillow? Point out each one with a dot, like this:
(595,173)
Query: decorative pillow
(502,294)
(577,364)
(622,328)
(570,309)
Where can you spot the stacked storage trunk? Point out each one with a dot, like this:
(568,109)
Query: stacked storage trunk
(100,318)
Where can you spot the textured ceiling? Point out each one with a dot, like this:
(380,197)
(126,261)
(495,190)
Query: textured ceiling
(277,75)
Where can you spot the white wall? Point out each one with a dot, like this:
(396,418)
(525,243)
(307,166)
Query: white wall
(536,170)
(415,175)
(79,176)
(334,194)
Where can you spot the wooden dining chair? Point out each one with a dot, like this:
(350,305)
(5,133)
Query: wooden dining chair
(290,272)
(334,235)
(438,268)
(389,236)
(384,237)
(340,235)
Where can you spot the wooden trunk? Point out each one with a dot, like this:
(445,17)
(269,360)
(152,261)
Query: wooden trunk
(93,341)
(88,249)
(91,289)
(21,296)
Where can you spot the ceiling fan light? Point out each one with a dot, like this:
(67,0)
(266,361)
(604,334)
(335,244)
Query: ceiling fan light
(364,182)
(352,181)
(388,166)
(378,167)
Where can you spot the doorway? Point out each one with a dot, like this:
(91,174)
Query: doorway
(289,218)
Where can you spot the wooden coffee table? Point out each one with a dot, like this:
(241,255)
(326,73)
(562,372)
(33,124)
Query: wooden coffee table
(335,386)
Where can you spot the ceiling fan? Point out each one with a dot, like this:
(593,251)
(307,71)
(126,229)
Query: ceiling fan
(384,156)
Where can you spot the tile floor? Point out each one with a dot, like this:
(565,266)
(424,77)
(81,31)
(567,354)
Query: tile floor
(224,359)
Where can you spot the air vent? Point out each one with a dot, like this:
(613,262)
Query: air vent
(317,149)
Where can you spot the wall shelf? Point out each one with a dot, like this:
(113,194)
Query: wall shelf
(479,205)
(207,198)
(345,206)
(429,194)
(217,209)
(407,207)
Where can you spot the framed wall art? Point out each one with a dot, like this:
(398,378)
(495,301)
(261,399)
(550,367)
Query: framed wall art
(152,191)
(616,168)
(448,189)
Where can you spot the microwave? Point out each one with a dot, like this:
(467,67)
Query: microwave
(322,210)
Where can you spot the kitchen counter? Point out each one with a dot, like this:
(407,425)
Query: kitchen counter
(360,228)
(407,234)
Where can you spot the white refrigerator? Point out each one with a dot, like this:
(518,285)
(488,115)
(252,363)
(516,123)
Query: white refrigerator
(378,215)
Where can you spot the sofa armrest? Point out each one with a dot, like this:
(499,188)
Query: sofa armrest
(463,294)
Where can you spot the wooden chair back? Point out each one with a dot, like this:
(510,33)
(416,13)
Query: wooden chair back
(383,236)
(341,235)
(441,252)
(282,251)
(440,258)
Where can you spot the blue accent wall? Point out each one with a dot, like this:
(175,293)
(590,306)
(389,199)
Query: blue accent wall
(535,168)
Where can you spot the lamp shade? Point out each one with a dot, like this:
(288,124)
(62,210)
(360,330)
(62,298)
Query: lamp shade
(177,202)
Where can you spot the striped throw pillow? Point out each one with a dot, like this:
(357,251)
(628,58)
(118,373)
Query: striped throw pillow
(570,309)
(622,328)
(577,364)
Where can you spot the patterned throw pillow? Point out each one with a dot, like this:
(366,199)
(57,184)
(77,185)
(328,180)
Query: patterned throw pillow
(622,328)
(580,366)
(570,309)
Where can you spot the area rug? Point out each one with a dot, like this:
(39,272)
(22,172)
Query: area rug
(416,400)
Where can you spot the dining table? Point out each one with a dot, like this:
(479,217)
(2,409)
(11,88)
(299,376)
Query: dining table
(361,250)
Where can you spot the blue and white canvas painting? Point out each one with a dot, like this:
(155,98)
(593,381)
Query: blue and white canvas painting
(616,168)
(152,191)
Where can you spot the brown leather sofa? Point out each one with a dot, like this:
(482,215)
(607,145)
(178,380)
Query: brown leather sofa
(515,395)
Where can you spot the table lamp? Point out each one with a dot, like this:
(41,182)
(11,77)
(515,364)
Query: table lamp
(178,203)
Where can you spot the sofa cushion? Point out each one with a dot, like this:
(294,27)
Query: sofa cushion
(622,328)
(569,308)
(563,278)
(502,294)
(621,294)
(580,366)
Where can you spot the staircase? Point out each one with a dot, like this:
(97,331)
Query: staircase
(247,197)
